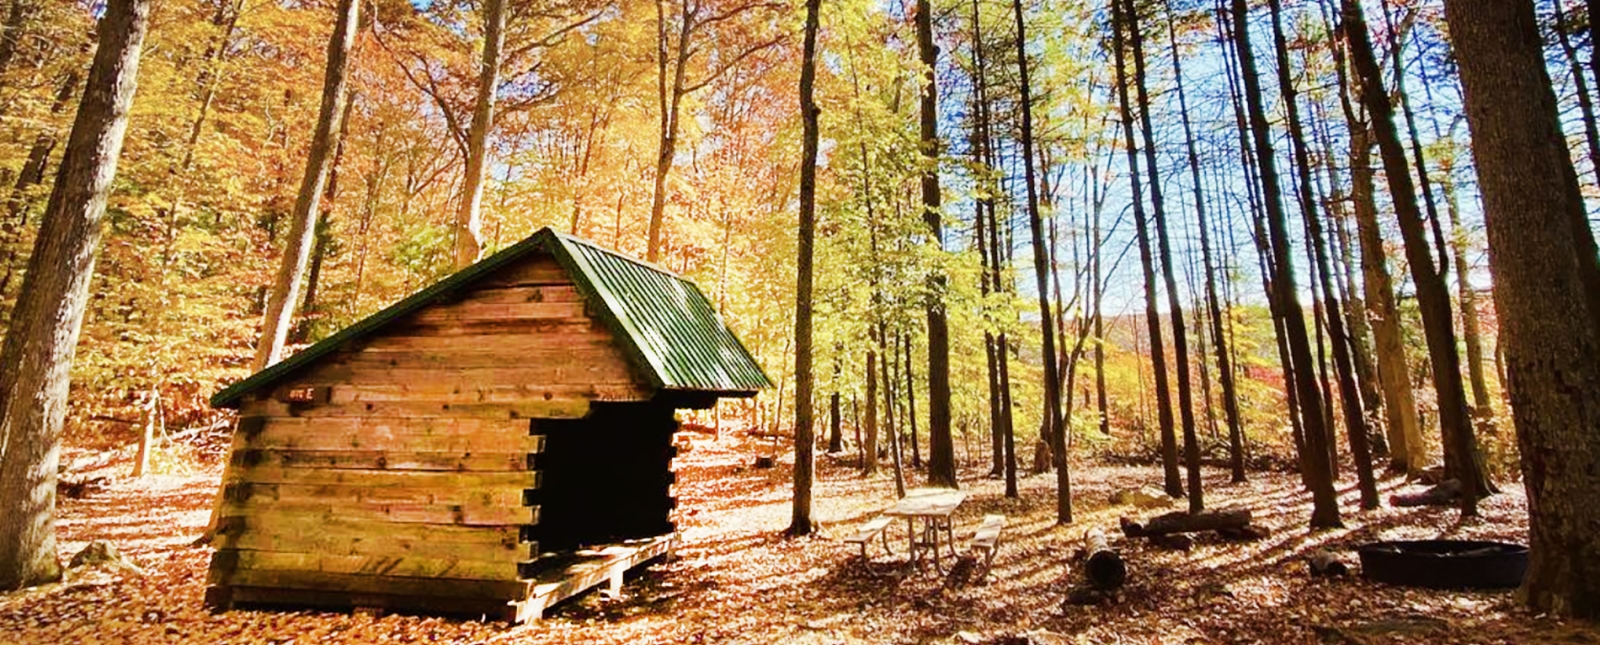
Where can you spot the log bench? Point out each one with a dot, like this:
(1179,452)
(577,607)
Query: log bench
(872,529)
(987,540)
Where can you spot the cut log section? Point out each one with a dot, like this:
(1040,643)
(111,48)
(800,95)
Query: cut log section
(1324,564)
(1103,566)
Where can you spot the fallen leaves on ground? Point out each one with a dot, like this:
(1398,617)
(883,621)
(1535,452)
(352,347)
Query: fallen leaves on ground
(738,579)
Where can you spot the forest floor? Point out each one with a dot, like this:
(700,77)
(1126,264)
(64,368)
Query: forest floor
(737,579)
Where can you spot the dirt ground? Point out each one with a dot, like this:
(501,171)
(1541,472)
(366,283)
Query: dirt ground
(737,579)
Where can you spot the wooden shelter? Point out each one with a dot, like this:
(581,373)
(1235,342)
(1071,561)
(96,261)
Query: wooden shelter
(493,444)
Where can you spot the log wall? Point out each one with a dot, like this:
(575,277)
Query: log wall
(410,477)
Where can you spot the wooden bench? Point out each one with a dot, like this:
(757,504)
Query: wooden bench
(987,540)
(870,530)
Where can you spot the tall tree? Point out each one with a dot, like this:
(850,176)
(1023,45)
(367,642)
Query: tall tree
(804,439)
(1355,417)
(941,446)
(1180,336)
(469,217)
(675,52)
(1406,448)
(1122,23)
(319,159)
(1230,400)
(1325,503)
(1433,299)
(1547,292)
(1054,424)
(43,332)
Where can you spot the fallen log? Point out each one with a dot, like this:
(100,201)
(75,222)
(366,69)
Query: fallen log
(1248,533)
(1173,541)
(1184,522)
(1445,494)
(1103,566)
(1324,564)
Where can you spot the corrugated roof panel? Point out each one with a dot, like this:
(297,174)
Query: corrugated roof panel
(671,323)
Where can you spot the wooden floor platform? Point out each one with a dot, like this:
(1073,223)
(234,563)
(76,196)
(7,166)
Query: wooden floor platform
(563,576)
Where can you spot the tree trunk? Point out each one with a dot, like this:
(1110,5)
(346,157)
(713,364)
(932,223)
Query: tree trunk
(835,422)
(989,269)
(1354,308)
(1052,376)
(1325,505)
(1180,337)
(869,447)
(911,401)
(1406,447)
(469,217)
(1169,441)
(941,446)
(147,434)
(804,440)
(43,330)
(1230,400)
(1432,297)
(297,252)
(1355,417)
(1547,293)
(668,97)
(1467,298)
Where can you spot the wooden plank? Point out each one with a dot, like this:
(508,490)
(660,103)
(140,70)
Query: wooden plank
(493,608)
(438,480)
(528,409)
(519,294)
(534,271)
(563,577)
(396,434)
(368,584)
(378,565)
(447,514)
(451,494)
(554,395)
(379,541)
(503,312)
(575,372)
(266,521)
(534,337)
(549,327)
(488,355)
(381,460)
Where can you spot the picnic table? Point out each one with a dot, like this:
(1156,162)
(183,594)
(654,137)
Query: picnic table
(933,507)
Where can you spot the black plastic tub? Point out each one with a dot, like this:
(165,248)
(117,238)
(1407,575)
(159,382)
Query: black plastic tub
(1445,564)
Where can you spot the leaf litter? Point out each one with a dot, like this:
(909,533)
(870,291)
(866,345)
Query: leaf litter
(736,578)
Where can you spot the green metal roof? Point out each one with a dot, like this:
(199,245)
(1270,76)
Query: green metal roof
(667,326)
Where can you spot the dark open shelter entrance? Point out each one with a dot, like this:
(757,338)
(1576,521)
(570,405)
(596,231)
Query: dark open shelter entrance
(605,478)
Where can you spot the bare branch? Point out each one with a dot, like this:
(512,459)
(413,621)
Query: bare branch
(731,64)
